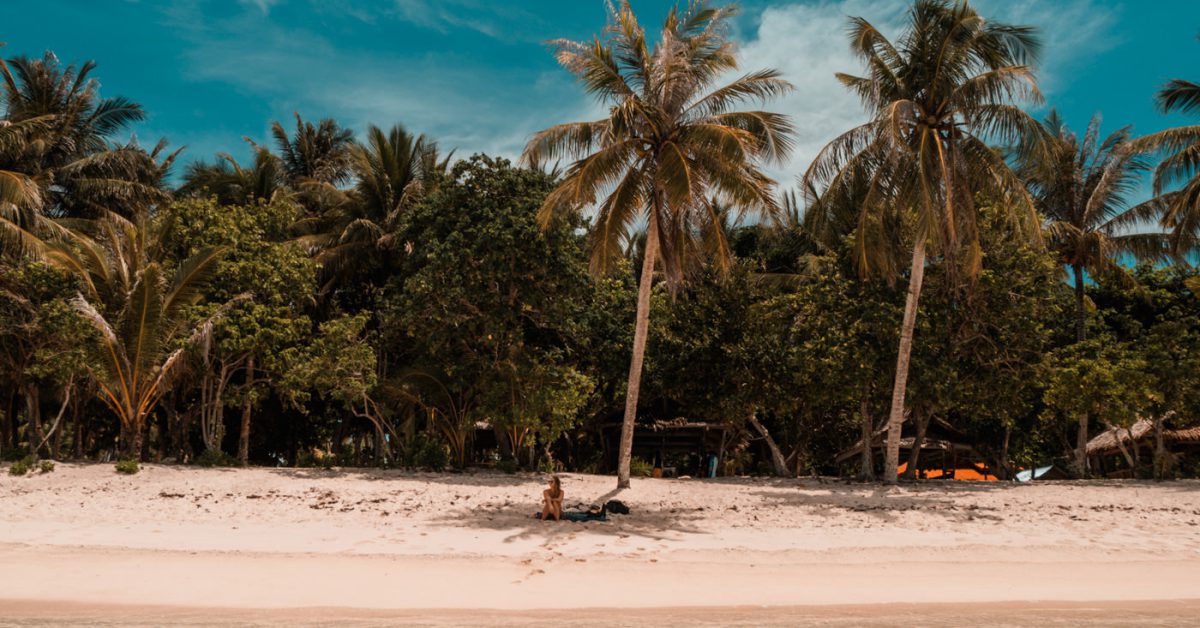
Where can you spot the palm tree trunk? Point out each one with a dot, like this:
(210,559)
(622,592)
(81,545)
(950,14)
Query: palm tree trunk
(866,471)
(640,330)
(896,418)
(1081,438)
(244,436)
(1080,309)
(777,459)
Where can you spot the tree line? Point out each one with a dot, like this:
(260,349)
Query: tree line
(346,300)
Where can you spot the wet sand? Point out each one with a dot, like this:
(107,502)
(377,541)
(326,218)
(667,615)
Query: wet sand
(1157,614)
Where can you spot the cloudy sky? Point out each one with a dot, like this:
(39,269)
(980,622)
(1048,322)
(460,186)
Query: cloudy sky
(477,75)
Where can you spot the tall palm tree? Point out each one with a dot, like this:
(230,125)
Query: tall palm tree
(139,309)
(1081,188)
(391,171)
(317,153)
(949,84)
(1177,177)
(670,143)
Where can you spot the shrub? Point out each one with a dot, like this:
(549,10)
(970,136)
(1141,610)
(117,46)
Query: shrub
(507,465)
(20,467)
(640,468)
(429,453)
(46,466)
(217,458)
(128,466)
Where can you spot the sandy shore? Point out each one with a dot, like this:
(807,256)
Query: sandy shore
(391,542)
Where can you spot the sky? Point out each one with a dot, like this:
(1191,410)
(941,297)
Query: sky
(478,76)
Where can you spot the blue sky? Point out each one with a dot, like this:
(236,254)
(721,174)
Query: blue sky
(476,74)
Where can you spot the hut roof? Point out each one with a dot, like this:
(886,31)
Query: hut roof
(1106,443)
(940,435)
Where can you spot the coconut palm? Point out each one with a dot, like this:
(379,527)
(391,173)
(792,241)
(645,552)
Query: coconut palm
(234,184)
(670,144)
(1081,187)
(1177,177)
(314,153)
(138,307)
(936,96)
(83,122)
(391,171)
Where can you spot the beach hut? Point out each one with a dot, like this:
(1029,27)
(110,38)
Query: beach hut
(945,452)
(1112,452)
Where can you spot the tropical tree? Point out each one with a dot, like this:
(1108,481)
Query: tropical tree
(1081,187)
(317,153)
(936,96)
(670,144)
(1177,177)
(138,307)
(392,171)
(234,184)
(82,121)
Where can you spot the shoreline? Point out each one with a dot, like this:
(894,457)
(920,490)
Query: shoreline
(1129,613)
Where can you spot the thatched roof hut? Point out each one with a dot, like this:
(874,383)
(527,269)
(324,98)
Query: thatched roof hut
(1141,433)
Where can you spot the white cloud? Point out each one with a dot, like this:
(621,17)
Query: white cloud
(262,5)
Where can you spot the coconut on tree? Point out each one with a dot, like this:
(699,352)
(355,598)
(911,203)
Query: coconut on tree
(673,141)
(936,97)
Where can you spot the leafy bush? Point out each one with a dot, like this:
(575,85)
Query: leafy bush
(640,468)
(20,467)
(128,466)
(508,465)
(217,458)
(46,466)
(429,453)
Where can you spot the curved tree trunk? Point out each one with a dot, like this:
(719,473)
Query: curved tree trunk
(866,471)
(777,459)
(640,330)
(896,417)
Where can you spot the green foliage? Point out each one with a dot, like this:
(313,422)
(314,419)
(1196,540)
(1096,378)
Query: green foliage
(46,466)
(216,458)
(128,466)
(429,453)
(639,467)
(20,467)
(1100,377)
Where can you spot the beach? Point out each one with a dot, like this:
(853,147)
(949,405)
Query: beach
(250,544)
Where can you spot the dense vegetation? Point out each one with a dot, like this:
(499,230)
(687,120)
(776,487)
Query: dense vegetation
(346,301)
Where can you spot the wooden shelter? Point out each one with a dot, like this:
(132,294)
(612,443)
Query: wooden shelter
(945,452)
(1109,453)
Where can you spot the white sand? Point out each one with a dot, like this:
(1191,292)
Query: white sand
(266,539)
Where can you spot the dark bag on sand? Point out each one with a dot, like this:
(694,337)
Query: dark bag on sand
(617,507)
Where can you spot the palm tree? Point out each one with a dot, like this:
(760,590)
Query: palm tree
(391,171)
(315,153)
(1081,186)
(139,308)
(1181,166)
(935,96)
(82,121)
(234,184)
(668,146)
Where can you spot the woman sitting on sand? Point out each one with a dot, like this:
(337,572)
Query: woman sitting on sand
(552,500)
